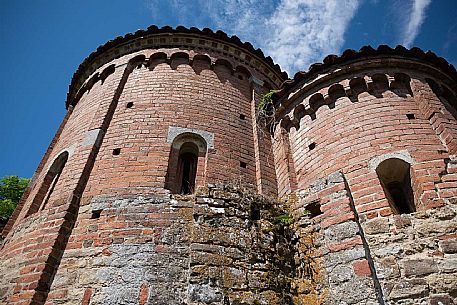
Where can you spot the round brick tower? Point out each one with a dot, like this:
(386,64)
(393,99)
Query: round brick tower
(356,112)
(158,112)
(368,142)
(152,190)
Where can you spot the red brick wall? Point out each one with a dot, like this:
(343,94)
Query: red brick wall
(174,95)
(359,127)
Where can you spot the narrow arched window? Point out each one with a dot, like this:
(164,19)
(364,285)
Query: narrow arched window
(394,175)
(49,183)
(186,163)
(187,168)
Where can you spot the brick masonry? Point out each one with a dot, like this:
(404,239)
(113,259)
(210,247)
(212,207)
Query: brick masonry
(292,212)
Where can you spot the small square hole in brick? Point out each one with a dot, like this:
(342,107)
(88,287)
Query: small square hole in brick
(116,151)
(240,77)
(410,116)
(313,209)
(96,214)
(243,164)
(242,117)
(312,146)
(129,105)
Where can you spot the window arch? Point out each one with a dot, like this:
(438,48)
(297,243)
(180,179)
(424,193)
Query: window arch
(49,183)
(186,165)
(394,175)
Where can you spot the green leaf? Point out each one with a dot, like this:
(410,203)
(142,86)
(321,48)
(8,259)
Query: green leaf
(11,190)
(285,219)
(6,209)
(266,100)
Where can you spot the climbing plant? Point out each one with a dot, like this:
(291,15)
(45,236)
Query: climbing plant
(266,110)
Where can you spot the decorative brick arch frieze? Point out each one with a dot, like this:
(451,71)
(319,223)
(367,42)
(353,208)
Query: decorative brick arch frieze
(180,38)
(198,62)
(373,83)
(105,73)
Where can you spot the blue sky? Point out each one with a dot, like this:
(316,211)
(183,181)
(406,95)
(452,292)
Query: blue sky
(43,42)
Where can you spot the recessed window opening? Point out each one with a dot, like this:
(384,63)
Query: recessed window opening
(312,146)
(242,117)
(49,183)
(186,164)
(394,175)
(129,105)
(96,214)
(243,164)
(187,168)
(116,151)
(410,116)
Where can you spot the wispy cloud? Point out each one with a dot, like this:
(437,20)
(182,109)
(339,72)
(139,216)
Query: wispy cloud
(451,37)
(304,31)
(295,33)
(451,40)
(244,18)
(416,18)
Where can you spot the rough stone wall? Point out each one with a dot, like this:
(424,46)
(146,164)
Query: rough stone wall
(396,259)
(202,249)
(240,253)
(135,252)
(415,255)
(333,260)
(227,246)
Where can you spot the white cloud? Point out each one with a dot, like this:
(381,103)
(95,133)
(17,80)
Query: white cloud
(416,18)
(244,18)
(295,33)
(305,31)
